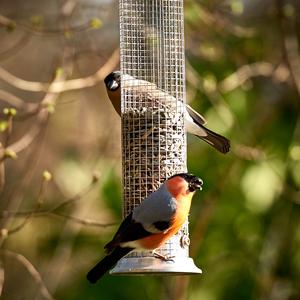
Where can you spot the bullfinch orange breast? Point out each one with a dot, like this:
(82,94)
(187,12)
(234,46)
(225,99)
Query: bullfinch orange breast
(194,121)
(151,223)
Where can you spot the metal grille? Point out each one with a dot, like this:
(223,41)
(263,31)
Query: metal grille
(153,100)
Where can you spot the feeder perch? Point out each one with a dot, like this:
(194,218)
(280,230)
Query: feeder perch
(153,132)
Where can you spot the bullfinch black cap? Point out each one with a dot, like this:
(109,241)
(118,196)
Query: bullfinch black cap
(195,183)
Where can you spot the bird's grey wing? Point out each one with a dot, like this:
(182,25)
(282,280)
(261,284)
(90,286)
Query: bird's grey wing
(156,212)
(198,119)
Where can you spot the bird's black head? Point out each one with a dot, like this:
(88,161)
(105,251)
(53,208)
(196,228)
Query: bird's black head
(113,80)
(195,183)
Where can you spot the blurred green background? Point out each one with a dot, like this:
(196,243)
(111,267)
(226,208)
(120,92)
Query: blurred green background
(243,74)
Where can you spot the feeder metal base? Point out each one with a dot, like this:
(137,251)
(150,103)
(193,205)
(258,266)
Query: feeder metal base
(155,266)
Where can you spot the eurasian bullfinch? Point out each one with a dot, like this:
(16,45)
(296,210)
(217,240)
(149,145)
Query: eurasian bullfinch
(193,120)
(154,221)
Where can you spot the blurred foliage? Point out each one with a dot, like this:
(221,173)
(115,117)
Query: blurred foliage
(243,74)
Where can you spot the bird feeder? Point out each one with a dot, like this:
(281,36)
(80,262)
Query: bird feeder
(153,129)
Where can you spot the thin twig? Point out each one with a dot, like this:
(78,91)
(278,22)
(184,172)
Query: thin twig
(32,134)
(49,213)
(8,130)
(244,73)
(18,103)
(75,198)
(3,148)
(17,47)
(54,212)
(29,137)
(249,152)
(21,225)
(217,100)
(31,270)
(2,277)
(289,47)
(218,21)
(5,21)
(49,99)
(2,172)
(54,209)
(11,99)
(85,222)
(38,207)
(292,52)
(62,86)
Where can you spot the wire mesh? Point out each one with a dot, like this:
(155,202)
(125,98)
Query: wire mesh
(153,102)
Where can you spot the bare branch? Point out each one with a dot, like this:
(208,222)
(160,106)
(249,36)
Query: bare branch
(54,211)
(249,153)
(77,197)
(2,174)
(11,99)
(42,117)
(39,203)
(17,47)
(212,93)
(71,200)
(31,270)
(2,277)
(62,86)
(6,21)
(86,222)
(51,213)
(292,55)
(10,23)
(21,225)
(21,105)
(68,7)
(32,134)
(216,19)
(245,72)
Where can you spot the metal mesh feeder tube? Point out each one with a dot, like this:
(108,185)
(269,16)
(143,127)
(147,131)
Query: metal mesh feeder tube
(153,129)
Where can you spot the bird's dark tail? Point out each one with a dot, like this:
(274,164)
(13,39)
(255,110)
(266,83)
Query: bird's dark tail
(216,140)
(106,263)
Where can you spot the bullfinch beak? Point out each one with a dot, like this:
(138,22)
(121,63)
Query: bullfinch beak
(194,121)
(195,184)
(151,223)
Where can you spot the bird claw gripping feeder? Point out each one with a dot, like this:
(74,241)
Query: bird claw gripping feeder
(153,132)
